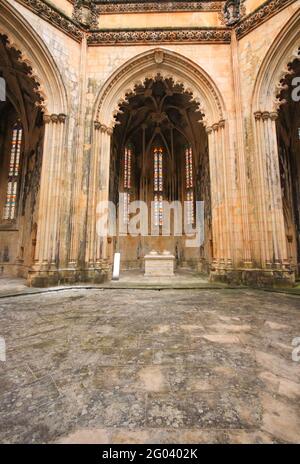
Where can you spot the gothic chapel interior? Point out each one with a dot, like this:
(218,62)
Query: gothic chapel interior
(172,101)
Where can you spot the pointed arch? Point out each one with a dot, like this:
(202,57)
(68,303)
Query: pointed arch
(284,50)
(168,64)
(37,56)
(265,105)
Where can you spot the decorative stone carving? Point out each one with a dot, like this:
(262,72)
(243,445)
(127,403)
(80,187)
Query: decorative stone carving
(159,56)
(55,118)
(108,6)
(37,87)
(55,17)
(287,71)
(93,16)
(217,35)
(260,15)
(233,15)
(144,66)
(232,12)
(86,12)
(273,115)
(77,11)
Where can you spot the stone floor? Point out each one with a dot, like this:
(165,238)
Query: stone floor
(146,366)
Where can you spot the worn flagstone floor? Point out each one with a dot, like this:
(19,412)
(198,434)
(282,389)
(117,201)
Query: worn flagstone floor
(145,366)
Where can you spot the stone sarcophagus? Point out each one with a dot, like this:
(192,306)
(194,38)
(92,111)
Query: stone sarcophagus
(159,265)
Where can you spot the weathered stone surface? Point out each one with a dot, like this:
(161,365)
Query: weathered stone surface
(157,265)
(140,366)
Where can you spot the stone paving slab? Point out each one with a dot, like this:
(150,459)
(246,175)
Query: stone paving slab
(137,366)
(13,287)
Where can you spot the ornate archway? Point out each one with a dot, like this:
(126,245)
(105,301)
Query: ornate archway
(195,81)
(265,105)
(168,64)
(40,68)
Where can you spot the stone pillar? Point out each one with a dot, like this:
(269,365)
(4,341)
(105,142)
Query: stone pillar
(44,270)
(268,193)
(222,258)
(80,155)
(245,258)
(96,249)
(101,242)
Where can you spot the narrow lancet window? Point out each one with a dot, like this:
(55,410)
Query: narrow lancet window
(158,186)
(13,173)
(189,185)
(127,175)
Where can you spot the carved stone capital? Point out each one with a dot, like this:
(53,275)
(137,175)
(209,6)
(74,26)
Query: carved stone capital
(54,118)
(265,115)
(46,118)
(105,129)
(62,117)
(257,115)
(273,115)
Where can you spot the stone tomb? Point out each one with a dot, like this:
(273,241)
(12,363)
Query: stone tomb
(159,265)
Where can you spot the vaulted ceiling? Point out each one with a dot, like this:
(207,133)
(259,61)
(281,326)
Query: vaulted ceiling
(22,90)
(159,110)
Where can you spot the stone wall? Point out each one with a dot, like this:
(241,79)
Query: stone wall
(233,67)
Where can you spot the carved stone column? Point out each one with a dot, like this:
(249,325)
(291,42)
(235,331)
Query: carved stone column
(101,243)
(222,258)
(268,193)
(241,222)
(46,251)
(96,250)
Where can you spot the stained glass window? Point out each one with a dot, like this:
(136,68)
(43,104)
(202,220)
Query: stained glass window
(126,207)
(158,186)
(14,172)
(189,185)
(127,175)
(127,167)
(189,167)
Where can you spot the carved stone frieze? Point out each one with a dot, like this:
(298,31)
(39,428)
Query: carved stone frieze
(54,16)
(253,20)
(219,35)
(151,6)
(231,13)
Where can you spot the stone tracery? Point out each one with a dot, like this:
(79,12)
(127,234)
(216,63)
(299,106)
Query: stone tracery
(167,64)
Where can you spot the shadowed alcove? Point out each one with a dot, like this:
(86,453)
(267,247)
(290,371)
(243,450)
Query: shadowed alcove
(21,142)
(288,133)
(160,154)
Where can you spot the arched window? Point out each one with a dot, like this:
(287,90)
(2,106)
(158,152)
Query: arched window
(158,186)
(127,178)
(13,173)
(189,184)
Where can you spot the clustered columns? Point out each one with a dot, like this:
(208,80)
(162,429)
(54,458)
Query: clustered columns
(268,191)
(46,252)
(222,257)
(97,253)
